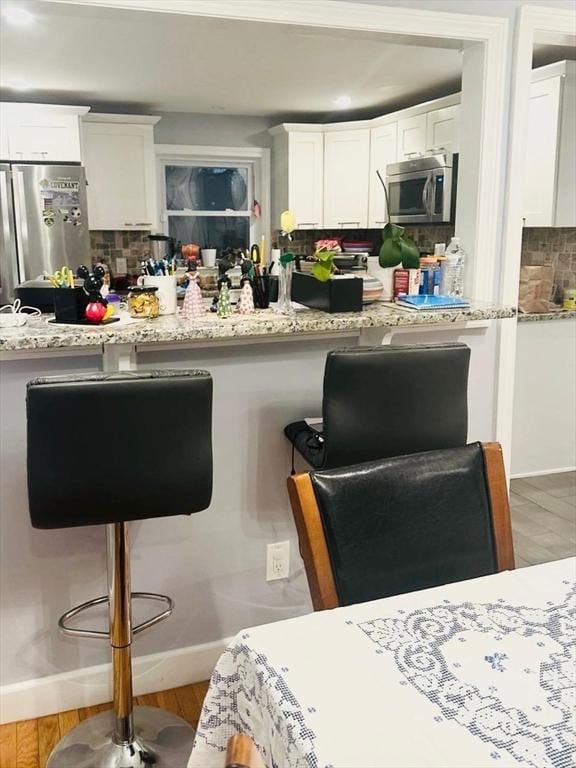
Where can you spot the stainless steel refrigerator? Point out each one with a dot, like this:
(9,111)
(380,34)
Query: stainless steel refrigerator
(43,222)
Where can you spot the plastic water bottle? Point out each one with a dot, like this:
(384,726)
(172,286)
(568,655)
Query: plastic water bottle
(452,280)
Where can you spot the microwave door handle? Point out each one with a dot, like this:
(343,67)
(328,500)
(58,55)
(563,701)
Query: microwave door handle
(425,192)
(431,196)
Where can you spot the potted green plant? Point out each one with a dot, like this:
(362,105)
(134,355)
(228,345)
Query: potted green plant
(397,250)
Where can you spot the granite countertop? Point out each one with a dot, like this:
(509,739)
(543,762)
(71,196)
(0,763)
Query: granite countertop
(530,317)
(39,334)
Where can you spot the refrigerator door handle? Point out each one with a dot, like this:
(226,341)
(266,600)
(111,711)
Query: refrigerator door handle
(9,270)
(21,223)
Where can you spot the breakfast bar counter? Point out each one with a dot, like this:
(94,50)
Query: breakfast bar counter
(39,334)
(268,371)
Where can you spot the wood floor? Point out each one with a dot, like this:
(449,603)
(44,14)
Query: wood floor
(27,744)
(544,518)
(544,526)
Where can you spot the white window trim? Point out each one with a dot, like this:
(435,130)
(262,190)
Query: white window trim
(257,159)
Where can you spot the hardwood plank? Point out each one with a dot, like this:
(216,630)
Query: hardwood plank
(531,551)
(555,544)
(516,500)
(189,705)
(200,691)
(97,709)
(8,745)
(147,700)
(552,482)
(48,736)
(169,701)
(27,744)
(67,721)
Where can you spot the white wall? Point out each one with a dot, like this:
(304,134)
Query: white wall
(544,432)
(213,130)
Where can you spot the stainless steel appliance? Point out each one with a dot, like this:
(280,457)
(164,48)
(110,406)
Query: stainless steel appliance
(43,222)
(161,247)
(423,189)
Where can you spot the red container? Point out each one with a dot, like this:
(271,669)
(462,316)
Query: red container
(401,282)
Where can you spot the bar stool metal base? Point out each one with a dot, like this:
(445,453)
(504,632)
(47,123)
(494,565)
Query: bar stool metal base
(162,740)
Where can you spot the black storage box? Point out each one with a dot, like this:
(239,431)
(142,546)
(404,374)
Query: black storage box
(70,304)
(36,295)
(335,295)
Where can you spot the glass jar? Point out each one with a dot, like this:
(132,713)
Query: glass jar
(143,302)
(285,273)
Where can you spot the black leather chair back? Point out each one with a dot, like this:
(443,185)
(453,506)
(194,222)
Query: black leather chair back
(406,523)
(394,400)
(108,448)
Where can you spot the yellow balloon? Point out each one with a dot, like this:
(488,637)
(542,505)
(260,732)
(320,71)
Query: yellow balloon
(287,222)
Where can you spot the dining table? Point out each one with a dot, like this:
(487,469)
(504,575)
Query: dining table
(471,674)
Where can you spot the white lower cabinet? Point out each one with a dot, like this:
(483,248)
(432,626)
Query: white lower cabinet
(121,172)
(346,166)
(383,151)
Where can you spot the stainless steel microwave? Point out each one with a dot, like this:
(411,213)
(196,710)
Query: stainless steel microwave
(423,189)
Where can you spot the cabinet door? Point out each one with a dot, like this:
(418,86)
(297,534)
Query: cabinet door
(346,167)
(120,171)
(442,126)
(306,178)
(41,134)
(411,136)
(383,150)
(541,153)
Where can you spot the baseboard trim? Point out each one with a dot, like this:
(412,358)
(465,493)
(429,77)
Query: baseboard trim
(92,685)
(559,471)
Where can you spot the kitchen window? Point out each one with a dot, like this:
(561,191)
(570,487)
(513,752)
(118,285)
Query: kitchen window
(209,202)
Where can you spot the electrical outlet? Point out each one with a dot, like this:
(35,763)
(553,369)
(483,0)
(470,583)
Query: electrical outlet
(278,560)
(121,266)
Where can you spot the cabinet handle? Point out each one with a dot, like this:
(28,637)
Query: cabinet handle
(128,224)
(39,153)
(307,223)
(143,224)
(379,221)
(341,223)
(437,149)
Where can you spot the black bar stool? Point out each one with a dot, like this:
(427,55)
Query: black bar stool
(387,401)
(167,420)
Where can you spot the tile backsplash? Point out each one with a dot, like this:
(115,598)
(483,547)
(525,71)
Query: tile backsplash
(552,246)
(424,236)
(108,246)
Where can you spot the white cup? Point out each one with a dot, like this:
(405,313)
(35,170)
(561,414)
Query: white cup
(208,257)
(166,292)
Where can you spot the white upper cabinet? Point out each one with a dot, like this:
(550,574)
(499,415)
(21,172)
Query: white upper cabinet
(121,171)
(346,167)
(41,132)
(542,142)
(298,175)
(442,129)
(383,150)
(411,136)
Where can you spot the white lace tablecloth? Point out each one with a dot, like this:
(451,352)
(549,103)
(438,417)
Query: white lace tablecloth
(471,675)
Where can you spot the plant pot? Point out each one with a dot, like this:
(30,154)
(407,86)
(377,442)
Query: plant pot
(339,294)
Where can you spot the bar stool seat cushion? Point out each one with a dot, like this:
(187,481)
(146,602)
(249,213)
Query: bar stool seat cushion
(109,448)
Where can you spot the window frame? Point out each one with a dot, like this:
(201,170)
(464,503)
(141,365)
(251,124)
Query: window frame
(256,160)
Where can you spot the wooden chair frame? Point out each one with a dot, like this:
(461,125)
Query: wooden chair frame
(313,541)
(242,753)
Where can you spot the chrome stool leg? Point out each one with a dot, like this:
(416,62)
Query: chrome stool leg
(125,737)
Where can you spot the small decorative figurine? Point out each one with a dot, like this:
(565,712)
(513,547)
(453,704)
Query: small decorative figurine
(224,309)
(193,303)
(97,305)
(246,300)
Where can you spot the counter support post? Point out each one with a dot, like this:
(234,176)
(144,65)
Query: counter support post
(118,357)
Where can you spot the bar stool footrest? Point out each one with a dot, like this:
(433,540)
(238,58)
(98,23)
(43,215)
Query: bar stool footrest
(105,635)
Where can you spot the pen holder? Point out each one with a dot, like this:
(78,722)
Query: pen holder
(70,304)
(265,290)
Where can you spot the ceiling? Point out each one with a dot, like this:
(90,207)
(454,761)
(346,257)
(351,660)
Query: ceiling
(133,61)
